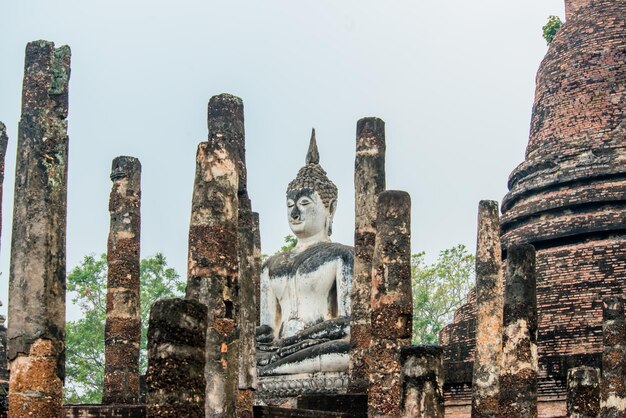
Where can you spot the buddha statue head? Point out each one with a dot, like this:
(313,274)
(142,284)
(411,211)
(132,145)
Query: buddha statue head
(311,201)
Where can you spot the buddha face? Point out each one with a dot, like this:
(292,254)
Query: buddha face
(307,214)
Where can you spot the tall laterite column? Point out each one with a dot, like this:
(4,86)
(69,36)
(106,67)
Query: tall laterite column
(369,181)
(37,274)
(122,332)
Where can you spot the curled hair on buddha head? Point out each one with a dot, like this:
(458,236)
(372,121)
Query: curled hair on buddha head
(312,176)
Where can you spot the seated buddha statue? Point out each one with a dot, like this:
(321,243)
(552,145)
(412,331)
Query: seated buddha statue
(305,292)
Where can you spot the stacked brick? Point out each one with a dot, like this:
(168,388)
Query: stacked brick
(37,277)
(568,198)
(572,6)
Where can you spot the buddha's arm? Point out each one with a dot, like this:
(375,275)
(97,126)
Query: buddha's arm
(343,279)
(269,307)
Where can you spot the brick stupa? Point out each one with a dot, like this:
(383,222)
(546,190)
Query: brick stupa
(568,199)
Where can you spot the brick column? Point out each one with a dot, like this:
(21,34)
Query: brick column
(213,267)
(518,375)
(392,304)
(37,273)
(613,386)
(122,332)
(583,392)
(489,300)
(176,359)
(369,181)
(422,381)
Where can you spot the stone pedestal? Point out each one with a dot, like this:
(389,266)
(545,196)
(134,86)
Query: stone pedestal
(283,390)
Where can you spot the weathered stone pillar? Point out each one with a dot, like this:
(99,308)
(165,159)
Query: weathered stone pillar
(4,141)
(122,332)
(37,277)
(489,300)
(4,373)
(176,359)
(518,376)
(213,267)
(369,181)
(258,259)
(422,381)
(392,304)
(613,384)
(226,122)
(583,392)
(249,270)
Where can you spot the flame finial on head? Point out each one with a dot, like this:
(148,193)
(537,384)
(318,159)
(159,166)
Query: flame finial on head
(312,176)
(313,155)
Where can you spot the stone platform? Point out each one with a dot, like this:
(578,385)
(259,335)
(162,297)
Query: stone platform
(104,411)
(284,389)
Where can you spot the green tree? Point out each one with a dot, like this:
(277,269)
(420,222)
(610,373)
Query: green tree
(551,28)
(290,244)
(84,364)
(438,290)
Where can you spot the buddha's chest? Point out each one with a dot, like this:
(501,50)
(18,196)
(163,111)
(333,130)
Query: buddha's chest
(301,292)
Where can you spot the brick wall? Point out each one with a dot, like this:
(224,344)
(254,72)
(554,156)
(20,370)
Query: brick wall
(568,198)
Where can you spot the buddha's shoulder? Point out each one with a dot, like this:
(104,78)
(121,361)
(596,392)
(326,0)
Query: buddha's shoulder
(331,250)
(310,259)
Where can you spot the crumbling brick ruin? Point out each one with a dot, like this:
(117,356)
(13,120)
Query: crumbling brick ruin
(551,271)
(568,200)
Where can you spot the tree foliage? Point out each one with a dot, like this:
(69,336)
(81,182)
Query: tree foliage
(290,244)
(438,290)
(551,28)
(84,364)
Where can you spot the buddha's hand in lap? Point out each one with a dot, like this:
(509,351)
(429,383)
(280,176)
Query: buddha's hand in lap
(270,350)
(332,329)
(264,334)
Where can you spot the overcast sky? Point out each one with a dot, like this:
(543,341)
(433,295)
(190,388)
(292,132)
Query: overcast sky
(453,80)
